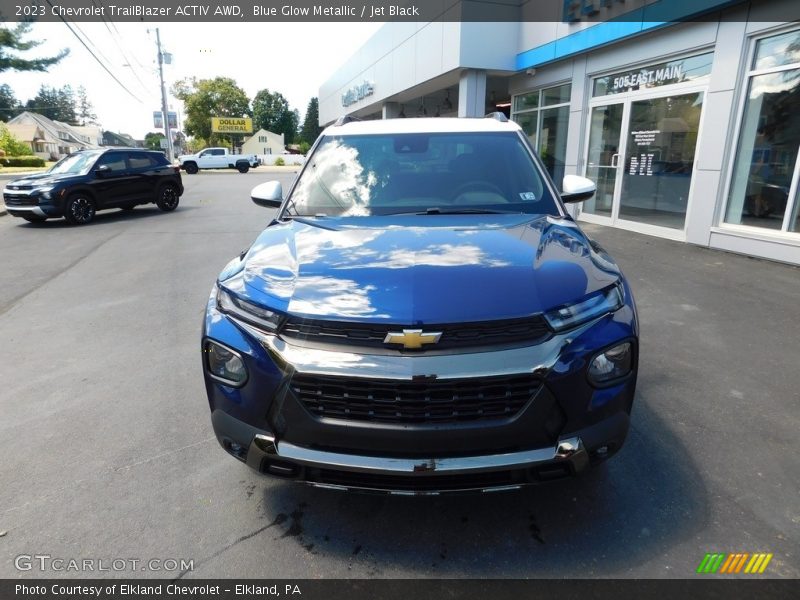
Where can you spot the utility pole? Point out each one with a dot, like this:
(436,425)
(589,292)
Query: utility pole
(164,108)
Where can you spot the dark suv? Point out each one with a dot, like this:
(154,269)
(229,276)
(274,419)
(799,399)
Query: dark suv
(90,180)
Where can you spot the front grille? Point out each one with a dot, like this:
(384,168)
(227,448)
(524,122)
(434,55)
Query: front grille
(391,401)
(456,335)
(20,200)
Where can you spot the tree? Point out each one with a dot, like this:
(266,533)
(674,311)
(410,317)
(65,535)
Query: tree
(9,105)
(271,112)
(54,103)
(311,129)
(84,108)
(153,140)
(11,145)
(206,98)
(11,42)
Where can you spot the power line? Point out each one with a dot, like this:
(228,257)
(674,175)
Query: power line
(105,68)
(117,38)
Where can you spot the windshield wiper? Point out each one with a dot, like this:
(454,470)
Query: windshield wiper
(458,211)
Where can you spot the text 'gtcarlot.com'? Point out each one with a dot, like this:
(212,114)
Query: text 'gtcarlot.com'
(46,562)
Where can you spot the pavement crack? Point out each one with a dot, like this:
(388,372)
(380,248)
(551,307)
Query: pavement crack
(163,454)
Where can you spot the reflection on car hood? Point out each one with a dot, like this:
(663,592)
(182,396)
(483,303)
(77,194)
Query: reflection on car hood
(420,269)
(42,179)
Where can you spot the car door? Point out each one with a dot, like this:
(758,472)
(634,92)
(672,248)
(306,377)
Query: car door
(144,174)
(112,186)
(219,157)
(205,159)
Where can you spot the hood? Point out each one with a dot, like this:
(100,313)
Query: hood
(420,269)
(41,179)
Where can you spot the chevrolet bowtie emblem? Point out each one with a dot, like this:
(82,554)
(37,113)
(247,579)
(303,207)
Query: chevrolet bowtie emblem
(412,338)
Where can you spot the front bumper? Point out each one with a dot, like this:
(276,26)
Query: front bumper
(421,476)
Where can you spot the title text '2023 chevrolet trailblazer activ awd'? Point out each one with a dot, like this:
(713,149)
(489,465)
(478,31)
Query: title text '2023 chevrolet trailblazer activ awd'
(422,316)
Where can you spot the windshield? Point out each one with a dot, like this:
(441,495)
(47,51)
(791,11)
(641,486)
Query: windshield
(362,175)
(76,164)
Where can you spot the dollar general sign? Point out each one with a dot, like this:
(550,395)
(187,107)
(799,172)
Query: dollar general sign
(231,125)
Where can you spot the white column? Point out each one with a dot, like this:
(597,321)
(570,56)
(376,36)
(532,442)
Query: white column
(472,93)
(390,110)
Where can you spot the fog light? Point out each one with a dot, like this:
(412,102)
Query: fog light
(612,364)
(225,365)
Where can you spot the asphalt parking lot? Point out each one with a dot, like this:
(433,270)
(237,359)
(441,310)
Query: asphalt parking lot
(107,449)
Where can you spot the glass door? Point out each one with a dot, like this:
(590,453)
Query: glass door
(659,162)
(603,165)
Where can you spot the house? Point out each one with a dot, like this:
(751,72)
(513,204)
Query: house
(57,139)
(120,139)
(264,142)
(40,142)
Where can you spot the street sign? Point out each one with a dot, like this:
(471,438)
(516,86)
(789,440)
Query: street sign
(158,119)
(231,125)
(164,143)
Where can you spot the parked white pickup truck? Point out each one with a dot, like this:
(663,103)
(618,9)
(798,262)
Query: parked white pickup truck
(218,158)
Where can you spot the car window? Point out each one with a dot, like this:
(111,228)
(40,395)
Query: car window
(114,160)
(218,152)
(389,173)
(77,164)
(140,160)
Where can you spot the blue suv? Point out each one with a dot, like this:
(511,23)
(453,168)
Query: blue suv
(422,316)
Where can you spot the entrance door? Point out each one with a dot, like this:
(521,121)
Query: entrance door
(641,155)
(603,163)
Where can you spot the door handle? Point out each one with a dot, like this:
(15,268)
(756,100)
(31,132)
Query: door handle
(615,160)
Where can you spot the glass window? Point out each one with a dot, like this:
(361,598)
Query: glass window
(777,51)
(767,153)
(526,101)
(139,160)
(544,117)
(114,160)
(556,95)
(361,175)
(667,73)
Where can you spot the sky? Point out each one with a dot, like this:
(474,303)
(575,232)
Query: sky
(291,58)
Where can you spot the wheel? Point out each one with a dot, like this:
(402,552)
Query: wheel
(167,198)
(191,168)
(34,218)
(243,167)
(79,209)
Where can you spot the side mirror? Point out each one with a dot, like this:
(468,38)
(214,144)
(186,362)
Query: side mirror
(577,189)
(269,194)
(102,170)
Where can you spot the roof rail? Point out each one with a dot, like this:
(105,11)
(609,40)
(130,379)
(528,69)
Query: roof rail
(497,116)
(344,120)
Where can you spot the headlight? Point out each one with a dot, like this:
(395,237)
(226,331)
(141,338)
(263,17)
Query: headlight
(225,364)
(611,364)
(572,315)
(44,191)
(247,311)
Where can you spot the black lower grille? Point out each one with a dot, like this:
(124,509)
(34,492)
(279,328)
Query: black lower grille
(456,335)
(20,201)
(391,401)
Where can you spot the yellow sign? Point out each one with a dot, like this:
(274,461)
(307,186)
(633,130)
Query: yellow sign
(231,125)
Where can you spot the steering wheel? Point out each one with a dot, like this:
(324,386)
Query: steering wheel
(478,186)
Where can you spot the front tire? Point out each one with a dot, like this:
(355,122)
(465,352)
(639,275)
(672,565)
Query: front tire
(79,209)
(243,167)
(191,168)
(168,197)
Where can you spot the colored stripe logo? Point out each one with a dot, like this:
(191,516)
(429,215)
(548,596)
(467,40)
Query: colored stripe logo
(731,564)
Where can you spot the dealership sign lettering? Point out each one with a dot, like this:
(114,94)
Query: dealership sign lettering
(648,77)
(357,92)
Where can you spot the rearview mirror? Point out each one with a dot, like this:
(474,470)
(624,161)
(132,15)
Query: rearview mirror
(577,189)
(269,194)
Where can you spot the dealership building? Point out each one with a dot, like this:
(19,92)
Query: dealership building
(690,129)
